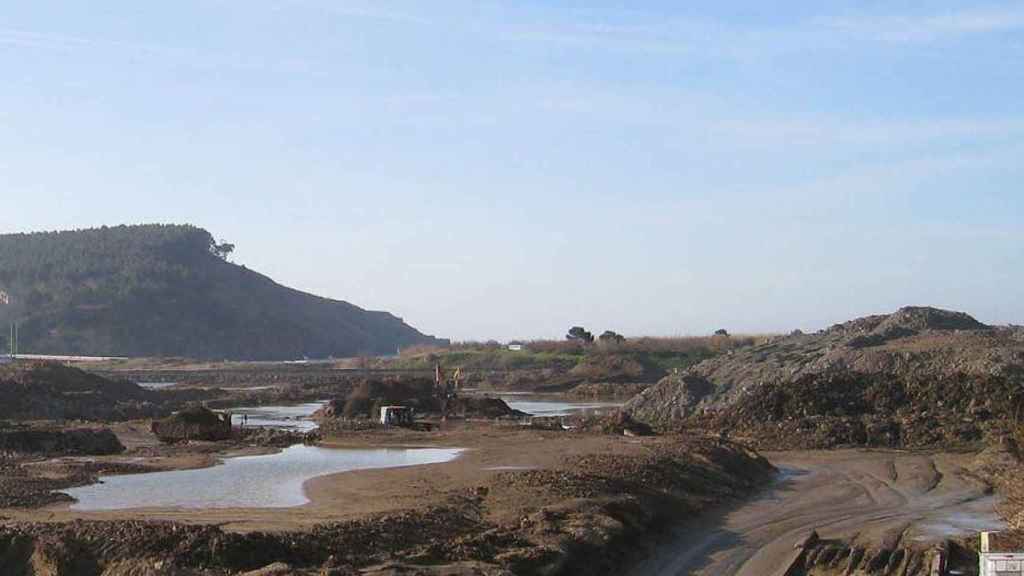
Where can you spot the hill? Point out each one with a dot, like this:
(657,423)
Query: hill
(917,377)
(167,290)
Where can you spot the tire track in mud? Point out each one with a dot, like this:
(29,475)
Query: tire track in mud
(875,499)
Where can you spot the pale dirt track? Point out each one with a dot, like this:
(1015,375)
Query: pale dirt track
(871,498)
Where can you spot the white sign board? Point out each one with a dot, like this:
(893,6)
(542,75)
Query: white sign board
(1002,564)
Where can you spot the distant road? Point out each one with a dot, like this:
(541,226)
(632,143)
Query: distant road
(67,358)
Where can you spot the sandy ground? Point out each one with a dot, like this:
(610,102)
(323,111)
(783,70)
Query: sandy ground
(874,499)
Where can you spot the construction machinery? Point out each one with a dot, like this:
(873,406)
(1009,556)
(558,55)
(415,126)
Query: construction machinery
(446,389)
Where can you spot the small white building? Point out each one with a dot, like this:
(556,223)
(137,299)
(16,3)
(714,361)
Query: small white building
(515,347)
(4,298)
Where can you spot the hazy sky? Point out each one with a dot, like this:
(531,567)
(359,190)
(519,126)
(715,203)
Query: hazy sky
(508,169)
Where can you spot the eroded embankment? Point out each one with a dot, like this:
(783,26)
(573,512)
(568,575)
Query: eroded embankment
(587,513)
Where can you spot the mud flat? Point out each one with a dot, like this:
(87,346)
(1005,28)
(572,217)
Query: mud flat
(518,501)
(861,503)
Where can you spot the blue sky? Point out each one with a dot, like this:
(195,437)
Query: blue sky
(508,169)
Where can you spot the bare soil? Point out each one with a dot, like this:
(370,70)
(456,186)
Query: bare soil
(518,501)
(880,511)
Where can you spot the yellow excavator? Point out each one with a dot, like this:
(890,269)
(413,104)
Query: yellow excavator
(446,389)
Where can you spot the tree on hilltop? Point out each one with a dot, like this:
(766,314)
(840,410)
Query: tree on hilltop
(610,337)
(579,334)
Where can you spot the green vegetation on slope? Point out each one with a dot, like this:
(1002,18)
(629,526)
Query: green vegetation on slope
(166,290)
(559,365)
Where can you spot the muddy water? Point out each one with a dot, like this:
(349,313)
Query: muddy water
(548,406)
(269,481)
(296,417)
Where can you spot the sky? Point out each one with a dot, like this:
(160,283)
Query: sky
(509,169)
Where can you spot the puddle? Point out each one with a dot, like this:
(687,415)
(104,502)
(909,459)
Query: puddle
(296,417)
(268,481)
(540,406)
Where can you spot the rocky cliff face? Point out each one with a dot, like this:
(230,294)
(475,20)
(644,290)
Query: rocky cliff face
(919,376)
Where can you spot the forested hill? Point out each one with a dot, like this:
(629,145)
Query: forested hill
(161,290)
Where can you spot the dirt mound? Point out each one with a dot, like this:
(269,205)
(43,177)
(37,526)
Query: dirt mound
(483,407)
(918,377)
(367,397)
(51,391)
(912,319)
(193,423)
(58,441)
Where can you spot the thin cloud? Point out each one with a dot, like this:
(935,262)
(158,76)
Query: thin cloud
(365,10)
(931,28)
(722,39)
(77,45)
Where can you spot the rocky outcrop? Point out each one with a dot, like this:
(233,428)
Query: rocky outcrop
(918,377)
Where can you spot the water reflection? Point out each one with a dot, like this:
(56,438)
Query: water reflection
(269,481)
(295,417)
(543,406)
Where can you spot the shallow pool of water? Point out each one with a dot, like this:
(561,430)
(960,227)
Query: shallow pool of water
(156,385)
(269,481)
(296,417)
(540,406)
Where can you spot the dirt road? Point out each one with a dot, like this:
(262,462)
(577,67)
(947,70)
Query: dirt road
(876,499)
